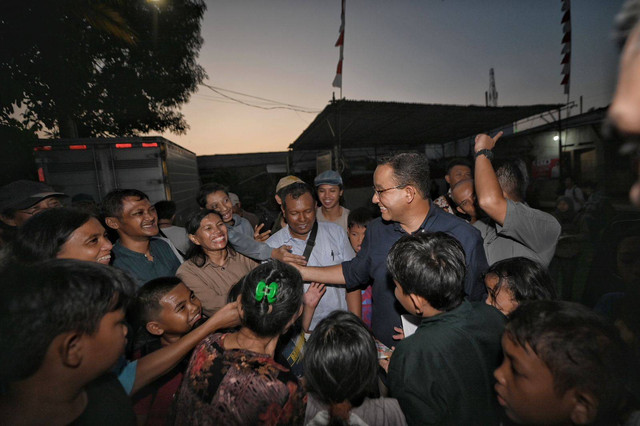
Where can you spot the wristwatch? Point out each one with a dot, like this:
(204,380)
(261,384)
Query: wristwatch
(486,152)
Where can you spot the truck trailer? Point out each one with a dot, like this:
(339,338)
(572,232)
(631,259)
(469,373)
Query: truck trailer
(154,165)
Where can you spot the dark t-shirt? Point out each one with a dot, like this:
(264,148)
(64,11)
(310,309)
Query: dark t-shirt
(108,404)
(371,263)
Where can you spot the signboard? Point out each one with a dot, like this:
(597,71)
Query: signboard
(548,168)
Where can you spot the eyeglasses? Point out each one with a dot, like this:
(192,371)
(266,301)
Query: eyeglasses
(380,191)
(49,204)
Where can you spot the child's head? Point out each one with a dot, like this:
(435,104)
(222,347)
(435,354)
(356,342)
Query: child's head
(357,225)
(64,312)
(512,281)
(563,364)
(166,307)
(340,360)
(270,298)
(431,266)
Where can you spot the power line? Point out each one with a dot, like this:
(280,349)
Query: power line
(278,105)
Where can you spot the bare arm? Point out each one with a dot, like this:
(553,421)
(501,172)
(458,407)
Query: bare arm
(326,274)
(157,363)
(310,302)
(354,302)
(488,190)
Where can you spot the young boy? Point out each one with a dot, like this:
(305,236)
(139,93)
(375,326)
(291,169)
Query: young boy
(167,311)
(563,364)
(442,373)
(61,328)
(356,228)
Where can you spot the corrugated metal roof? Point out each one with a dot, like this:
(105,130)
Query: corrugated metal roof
(372,123)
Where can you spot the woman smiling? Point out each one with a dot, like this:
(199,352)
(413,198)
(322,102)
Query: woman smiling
(212,266)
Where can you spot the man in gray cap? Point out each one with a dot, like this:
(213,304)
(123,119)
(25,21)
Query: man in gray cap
(22,199)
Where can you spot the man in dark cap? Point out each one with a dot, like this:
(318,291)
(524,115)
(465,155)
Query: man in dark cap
(22,199)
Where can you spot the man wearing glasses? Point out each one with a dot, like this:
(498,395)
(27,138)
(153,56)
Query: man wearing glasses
(22,199)
(401,191)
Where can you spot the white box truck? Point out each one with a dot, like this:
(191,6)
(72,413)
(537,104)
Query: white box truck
(154,165)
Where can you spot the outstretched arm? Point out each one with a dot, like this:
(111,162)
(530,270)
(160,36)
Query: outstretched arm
(325,274)
(157,363)
(309,302)
(488,190)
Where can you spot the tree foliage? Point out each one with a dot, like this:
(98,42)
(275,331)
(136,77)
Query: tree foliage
(99,68)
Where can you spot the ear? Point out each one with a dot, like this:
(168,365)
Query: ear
(71,349)
(112,222)
(154,328)
(278,200)
(585,407)
(8,220)
(448,179)
(194,239)
(418,303)
(239,307)
(341,192)
(410,192)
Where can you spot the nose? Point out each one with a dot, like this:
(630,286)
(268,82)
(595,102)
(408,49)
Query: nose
(106,244)
(499,373)
(375,199)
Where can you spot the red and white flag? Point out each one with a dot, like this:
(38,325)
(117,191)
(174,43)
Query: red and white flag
(566,45)
(337,81)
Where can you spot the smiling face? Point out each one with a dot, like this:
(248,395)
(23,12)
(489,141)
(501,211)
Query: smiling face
(220,202)
(181,310)
(525,388)
(212,234)
(138,219)
(300,214)
(391,202)
(89,242)
(329,195)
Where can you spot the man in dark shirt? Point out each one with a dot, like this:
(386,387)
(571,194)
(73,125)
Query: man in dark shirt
(130,213)
(401,191)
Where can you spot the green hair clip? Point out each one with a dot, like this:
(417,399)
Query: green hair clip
(266,290)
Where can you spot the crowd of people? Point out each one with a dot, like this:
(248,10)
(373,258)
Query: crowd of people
(435,312)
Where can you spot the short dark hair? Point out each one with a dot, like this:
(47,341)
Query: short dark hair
(360,216)
(431,265)
(525,278)
(582,349)
(147,306)
(42,300)
(207,189)
(42,236)
(112,202)
(511,179)
(340,360)
(165,209)
(458,161)
(195,253)
(257,316)
(295,190)
(410,168)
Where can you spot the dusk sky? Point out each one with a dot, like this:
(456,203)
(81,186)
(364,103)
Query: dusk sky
(423,51)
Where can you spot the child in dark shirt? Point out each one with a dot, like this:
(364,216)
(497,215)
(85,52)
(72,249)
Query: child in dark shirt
(563,364)
(441,374)
(61,330)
